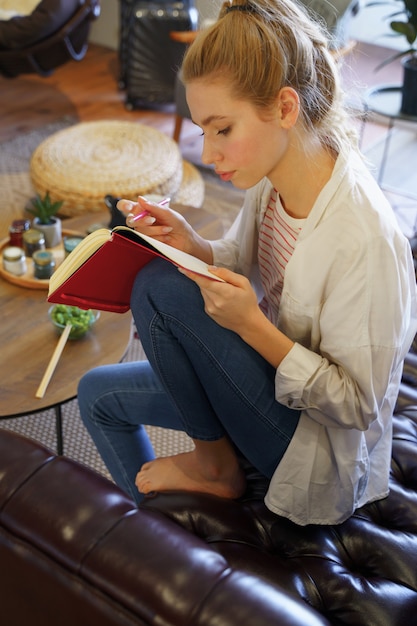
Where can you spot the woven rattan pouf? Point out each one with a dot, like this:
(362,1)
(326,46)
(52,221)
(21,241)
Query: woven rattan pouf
(82,164)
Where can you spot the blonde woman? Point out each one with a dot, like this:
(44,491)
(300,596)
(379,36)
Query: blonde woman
(294,360)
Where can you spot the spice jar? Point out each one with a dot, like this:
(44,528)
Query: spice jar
(43,264)
(70,243)
(16,230)
(14,260)
(33,240)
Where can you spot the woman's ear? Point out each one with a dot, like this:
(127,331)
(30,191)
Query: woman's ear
(288,106)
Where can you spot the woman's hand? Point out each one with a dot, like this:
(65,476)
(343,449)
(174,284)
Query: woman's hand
(233,304)
(163,223)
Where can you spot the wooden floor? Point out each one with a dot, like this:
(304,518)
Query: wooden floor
(88,90)
(85,90)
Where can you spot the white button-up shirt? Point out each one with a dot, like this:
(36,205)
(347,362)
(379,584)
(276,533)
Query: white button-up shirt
(349,304)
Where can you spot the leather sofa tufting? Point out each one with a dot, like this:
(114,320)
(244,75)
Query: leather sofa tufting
(74,549)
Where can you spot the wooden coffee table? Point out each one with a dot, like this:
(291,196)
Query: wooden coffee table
(28,339)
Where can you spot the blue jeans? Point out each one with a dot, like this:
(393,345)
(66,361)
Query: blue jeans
(200,378)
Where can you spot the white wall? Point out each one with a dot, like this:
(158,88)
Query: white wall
(208,9)
(105,30)
(371,25)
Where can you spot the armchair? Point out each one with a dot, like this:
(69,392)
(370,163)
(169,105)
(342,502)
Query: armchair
(54,33)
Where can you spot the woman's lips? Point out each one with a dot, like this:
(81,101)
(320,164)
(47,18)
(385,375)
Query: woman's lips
(225,176)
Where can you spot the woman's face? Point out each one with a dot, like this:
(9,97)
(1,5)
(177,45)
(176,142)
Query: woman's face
(242,146)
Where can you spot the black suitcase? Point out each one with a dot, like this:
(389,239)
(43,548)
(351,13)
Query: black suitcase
(150,57)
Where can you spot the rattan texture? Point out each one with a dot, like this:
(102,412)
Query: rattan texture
(83,163)
(192,189)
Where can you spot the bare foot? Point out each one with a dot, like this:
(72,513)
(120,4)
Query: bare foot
(186,472)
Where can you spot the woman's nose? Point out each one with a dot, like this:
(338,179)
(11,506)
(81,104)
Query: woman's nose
(209,155)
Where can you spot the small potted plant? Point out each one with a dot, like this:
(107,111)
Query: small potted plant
(45,219)
(403,23)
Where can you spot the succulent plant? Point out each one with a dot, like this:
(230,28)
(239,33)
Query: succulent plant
(44,208)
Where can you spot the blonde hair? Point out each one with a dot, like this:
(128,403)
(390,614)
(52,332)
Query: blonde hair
(260,46)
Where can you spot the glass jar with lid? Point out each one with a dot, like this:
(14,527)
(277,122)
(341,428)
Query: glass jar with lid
(70,243)
(43,264)
(33,240)
(16,230)
(14,260)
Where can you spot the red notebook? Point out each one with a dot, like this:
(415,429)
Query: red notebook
(99,272)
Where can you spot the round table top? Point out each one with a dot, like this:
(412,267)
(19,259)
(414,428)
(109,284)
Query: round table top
(28,338)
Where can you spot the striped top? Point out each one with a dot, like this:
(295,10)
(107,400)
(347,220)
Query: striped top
(277,238)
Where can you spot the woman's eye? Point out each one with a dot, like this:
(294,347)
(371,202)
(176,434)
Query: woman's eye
(224,131)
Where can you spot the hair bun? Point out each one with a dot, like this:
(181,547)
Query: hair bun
(246,8)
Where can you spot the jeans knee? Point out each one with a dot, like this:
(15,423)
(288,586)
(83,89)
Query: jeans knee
(161,288)
(157,280)
(87,392)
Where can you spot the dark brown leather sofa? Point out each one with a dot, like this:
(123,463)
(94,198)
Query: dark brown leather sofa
(75,551)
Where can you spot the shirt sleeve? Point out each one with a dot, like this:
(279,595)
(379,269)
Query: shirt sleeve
(359,335)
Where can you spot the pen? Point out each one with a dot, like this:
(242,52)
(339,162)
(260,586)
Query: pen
(163,202)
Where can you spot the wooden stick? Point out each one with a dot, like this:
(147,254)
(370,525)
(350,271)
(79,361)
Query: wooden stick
(53,362)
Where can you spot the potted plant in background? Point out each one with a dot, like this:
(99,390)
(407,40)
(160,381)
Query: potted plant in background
(45,219)
(403,23)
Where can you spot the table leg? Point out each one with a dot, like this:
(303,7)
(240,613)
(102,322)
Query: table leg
(58,426)
(364,119)
(385,151)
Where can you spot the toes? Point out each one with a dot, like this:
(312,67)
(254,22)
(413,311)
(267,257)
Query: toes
(144,486)
(139,480)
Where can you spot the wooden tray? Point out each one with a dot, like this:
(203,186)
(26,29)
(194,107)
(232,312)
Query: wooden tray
(28,279)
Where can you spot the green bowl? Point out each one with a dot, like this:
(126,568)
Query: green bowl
(81,320)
